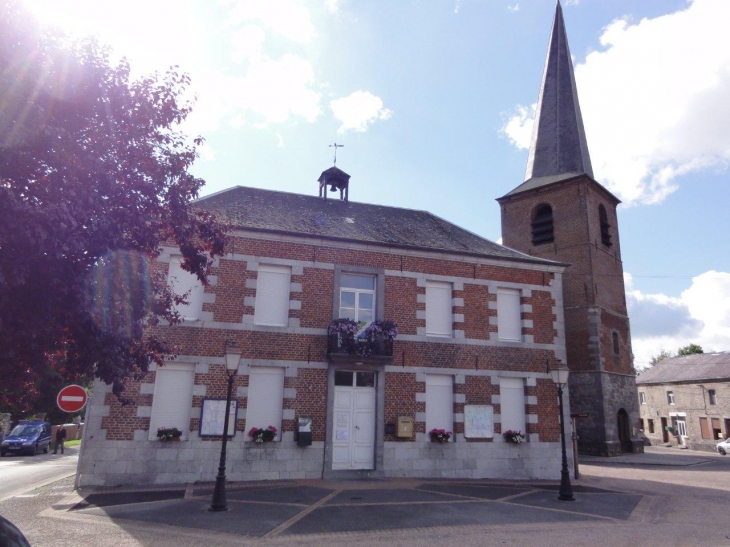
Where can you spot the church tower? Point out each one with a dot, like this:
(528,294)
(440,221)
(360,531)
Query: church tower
(561,213)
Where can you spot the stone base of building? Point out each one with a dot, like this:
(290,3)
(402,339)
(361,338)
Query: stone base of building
(603,403)
(106,463)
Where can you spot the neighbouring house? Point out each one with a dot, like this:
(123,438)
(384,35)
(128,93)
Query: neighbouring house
(686,400)
(478,326)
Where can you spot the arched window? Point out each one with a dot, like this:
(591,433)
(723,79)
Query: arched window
(542,225)
(616,348)
(603,218)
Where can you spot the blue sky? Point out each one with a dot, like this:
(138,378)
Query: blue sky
(432,100)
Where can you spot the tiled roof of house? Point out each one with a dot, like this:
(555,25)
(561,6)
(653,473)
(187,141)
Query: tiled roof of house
(273,211)
(690,368)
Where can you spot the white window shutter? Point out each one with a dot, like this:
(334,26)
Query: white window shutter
(173,398)
(439,402)
(438,309)
(272,296)
(512,404)
(265,398)
(509,318)
(181,282)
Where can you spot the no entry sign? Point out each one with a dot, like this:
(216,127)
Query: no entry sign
(72,398)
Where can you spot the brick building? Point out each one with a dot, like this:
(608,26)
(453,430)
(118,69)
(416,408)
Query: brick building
(561,213)
(685,401)
(477,323)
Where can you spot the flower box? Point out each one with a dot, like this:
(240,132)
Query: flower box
(167,434)
(514,437)
(261,435)
(375,339)
(440,435)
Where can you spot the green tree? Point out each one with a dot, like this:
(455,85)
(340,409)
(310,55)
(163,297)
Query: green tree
(663,354)
(94,177)
(689,350)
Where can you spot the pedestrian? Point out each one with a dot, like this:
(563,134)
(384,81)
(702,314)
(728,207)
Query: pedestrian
(60,437)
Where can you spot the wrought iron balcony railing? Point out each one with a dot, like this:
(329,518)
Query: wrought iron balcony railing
(341,344)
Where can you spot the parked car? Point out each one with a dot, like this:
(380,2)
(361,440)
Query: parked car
(724,447)
(27,438)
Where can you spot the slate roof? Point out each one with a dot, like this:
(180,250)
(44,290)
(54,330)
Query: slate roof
(540,182)
(559,148)
(699,367)
(283,212)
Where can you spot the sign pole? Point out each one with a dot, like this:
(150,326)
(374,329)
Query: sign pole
(575,451)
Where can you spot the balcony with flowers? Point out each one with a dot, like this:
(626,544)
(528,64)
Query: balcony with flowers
(350,341)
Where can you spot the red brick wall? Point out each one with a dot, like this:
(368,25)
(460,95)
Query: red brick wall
(542,317)
(400,303)
(595,277)
(316,312)
(477,312)
(547,410)
(400,400)
(122,421)
(317,298)
(311,401)
(230,291)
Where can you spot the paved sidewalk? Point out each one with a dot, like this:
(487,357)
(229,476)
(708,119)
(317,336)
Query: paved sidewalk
(317,507)
(631,500)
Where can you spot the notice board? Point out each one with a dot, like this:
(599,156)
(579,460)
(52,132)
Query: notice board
(212,415)
(478,421)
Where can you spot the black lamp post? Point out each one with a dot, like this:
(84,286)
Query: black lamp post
(219,503)
(560,377)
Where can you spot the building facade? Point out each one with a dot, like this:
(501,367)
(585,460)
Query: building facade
(478,324)
(561,213)
(685,401)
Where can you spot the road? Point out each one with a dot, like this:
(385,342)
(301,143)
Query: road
(22,473)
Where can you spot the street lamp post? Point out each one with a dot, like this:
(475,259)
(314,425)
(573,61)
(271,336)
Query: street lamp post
(219,503)
(560,377)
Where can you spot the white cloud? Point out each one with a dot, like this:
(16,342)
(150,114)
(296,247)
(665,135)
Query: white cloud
(288,18)
(333,6)
(269,92)
(358,111)
(518,128)
(701,315)
(247,43)
(516,7)
(654,101)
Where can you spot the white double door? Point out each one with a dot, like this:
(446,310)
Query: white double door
(353,444)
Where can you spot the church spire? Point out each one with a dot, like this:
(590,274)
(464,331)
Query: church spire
(558,144)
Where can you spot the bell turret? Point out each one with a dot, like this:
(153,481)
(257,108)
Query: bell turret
(336,179)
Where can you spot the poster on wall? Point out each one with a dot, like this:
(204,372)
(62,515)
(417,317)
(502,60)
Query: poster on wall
(478,421)
(212,416)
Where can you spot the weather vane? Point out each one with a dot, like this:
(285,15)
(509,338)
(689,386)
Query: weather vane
(336,146)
